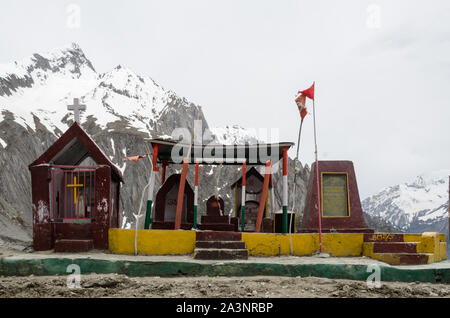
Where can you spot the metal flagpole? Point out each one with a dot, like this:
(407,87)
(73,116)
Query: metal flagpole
(298,141)
(317,181)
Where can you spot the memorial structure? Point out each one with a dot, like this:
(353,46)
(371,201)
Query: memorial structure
(75,193)
(253,190)
(215,219)
(166,205)
(340,203)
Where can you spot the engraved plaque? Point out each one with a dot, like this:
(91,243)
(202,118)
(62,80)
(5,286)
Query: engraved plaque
(334,195)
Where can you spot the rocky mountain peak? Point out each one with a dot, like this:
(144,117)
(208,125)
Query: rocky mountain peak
(67,62)
(416,206)
(70,57)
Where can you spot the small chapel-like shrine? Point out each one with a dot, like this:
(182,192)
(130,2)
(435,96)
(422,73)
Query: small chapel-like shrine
(75,193)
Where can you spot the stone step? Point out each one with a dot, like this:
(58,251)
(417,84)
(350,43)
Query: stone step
(73,231)
(395,247)
(220,244)
(220,254)
(217,227)
(218,236)
(383,237)
(403,258)
(73,246)
(215,219)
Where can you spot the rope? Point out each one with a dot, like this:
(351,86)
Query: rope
(139,214)
(296,171)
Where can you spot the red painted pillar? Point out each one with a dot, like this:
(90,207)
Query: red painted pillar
(285,190)
(102,207)
(195,195)
(42,227)
(262,201)
(148,211)
(181,194)
(244,172)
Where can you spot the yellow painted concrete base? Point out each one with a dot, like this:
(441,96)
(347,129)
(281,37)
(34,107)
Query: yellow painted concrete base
(172,242)
(335,244)
(431,244)
(152,242)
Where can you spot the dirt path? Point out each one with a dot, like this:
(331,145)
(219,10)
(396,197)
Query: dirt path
(111,285)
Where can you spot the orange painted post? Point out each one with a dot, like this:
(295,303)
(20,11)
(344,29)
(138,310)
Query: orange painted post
(181,193)
(262,200)
(155,157)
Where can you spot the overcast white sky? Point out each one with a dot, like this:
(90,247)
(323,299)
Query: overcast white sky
(382,68)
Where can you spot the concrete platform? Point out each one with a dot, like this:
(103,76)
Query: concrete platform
(356,268)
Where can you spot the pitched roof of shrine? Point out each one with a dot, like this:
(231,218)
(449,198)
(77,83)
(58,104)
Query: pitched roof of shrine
(212,154)
(72,148)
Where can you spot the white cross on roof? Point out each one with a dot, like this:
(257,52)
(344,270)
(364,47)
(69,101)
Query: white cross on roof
(76,107)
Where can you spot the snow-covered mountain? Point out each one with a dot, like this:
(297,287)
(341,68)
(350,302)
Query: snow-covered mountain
(44,84)
(416,206)
(235,134)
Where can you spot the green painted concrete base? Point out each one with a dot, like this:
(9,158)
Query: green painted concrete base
(148,215)
(195,218)
(285,219)
(242,218)
(58,266)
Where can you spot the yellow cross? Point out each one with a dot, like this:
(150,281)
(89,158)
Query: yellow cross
(74,186)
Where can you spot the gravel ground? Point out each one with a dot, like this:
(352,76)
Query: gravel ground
(112,285)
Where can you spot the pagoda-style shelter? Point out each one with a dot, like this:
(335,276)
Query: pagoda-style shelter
(166,152)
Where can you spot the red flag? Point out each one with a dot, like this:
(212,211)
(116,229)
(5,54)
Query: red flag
(136,158)
(308,92)
(301,104)
(303,113)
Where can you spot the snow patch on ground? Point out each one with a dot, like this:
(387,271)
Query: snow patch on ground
(123,167)
(113,146)
(3,143)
